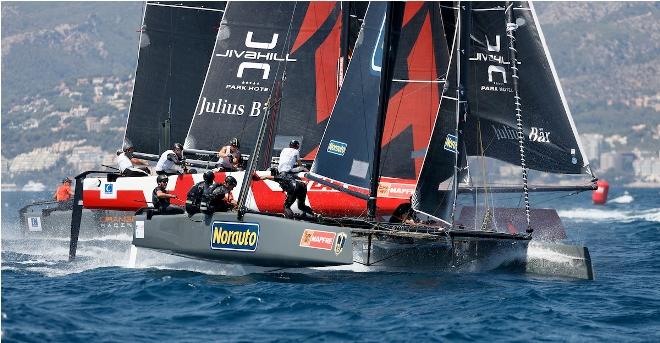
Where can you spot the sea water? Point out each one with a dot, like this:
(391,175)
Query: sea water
(163,298)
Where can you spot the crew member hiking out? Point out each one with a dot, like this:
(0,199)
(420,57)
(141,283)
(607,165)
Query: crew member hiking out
(290,159)
(171,162)
(161,198)
(64,195)
(127,163)
(220,198)
(295,189)
(200,192)
(229,157)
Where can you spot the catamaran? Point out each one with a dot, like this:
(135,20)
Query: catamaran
(236,90)
(176,41)
(501,98)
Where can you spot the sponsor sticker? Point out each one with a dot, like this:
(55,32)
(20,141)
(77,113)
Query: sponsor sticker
(395,190)
(34,223)
(234,236)
(316,239)
(108,190)
(339,243)
(451,143)
(139,229)
(337,148)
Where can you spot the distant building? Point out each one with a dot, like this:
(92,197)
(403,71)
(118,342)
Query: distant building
(622,163)
(593,146)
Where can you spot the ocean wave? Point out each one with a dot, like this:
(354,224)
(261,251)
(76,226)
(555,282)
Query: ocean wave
(610,215)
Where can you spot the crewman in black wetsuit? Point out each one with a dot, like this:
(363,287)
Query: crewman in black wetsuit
(200,192)
(161,198)
(220,198)
(295,189)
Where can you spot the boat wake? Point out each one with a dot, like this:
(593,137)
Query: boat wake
(610,215)
(626,198)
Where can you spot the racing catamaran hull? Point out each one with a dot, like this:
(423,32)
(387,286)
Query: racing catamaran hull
(134,193)
(272,241)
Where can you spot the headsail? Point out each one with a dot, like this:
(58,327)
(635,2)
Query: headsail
(257,44)
(435,192)
(550,139)
(176,42)
(346,151)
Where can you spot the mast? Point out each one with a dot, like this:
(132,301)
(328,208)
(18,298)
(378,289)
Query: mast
(511,27)
(462,48)
(385,81)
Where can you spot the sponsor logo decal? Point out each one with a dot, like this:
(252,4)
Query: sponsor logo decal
(536,134)
(234,236)
(395,190)
(139,229)
(316,239)
(337,148)
(108,190)
(377,56)
(34,223)
(339,243)
(496,64)
(451,143)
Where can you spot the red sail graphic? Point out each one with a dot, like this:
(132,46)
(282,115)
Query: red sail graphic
(416,104)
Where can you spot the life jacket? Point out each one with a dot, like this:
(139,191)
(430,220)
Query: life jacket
(62,193)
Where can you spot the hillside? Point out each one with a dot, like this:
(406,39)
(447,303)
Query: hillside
(67,77)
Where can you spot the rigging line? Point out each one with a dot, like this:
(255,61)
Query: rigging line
(187,7)
(419,81)
(483,162)
(286,47)
(510,30)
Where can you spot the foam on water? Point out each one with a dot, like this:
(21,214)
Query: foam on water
(610,215)
(626,198)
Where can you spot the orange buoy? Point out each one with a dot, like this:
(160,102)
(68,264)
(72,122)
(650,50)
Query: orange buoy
(599,196)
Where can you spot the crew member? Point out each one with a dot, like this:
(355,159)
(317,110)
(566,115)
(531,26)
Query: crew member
(229,157)
(64,195)
(171,162)
(127,163)
(295,189)
(161,198)
(220,198)
(290,159)
(200,192)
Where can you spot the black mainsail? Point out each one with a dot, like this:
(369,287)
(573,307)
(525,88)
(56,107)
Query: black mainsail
(550,138)
(490,113)
(291,46)
(176,41)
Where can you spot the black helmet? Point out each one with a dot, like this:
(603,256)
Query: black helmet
(235,142)
(128,147)
(294,144)
(209,176)
(66,180)
(230,181)
(162,178)
(177,146)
